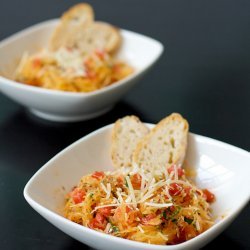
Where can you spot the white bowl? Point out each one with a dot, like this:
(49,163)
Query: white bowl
(222,168)
(139,51)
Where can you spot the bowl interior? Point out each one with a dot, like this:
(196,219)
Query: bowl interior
(221,168)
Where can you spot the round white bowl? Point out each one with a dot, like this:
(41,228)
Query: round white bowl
(137,50)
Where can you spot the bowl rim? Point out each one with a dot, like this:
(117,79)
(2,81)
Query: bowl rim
(208,234)
(111,87)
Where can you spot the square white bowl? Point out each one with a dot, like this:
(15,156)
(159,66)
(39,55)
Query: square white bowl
(222,168)
(139,51)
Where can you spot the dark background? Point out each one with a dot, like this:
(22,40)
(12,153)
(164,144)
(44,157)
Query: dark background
(204,74)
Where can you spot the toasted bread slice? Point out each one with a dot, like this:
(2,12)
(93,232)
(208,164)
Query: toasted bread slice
(97,35)
(77,29)
(126,134)
(72,21)
(165,144)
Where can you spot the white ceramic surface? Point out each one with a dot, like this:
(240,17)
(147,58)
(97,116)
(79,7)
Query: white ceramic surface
(139,51)
(222,168)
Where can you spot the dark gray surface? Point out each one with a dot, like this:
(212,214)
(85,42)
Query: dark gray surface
(204,74)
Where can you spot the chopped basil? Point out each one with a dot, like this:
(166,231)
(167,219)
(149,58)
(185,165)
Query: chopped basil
(126,183)
(168,212)
(176,211)
(164,214)
(189,221)
(115,229)
(174,220)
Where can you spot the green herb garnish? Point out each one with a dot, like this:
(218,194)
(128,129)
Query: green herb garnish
(189,221)
(115,229)
(168,212)
(126,183)
(164,214)
(176,211)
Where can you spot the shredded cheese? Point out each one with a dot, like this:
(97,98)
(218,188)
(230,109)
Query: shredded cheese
(140,228)
(131,191)
(160,205)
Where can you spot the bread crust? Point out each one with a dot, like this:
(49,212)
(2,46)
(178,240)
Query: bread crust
(77,11)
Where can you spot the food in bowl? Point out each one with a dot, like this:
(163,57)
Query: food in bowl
(81,56)
(148,198)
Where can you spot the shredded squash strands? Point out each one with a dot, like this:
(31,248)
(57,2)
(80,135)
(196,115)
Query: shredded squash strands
(154,207)
(68,69)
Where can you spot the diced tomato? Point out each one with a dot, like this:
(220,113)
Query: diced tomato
(100,218)
(98,222)
(128,209)
(145,220)
(181,237)
(37,63)
(90,74)
(158,212)
(210,197)
(188,194)
(98,175)
(120,181)
(172,208)
(93,205)
(180,170)
(78,195)
(136,181)
(185,233)
(187,190)
(100,54)
(175,189)
(105,211)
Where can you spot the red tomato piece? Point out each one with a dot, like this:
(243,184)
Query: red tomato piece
(146,220)
(187,190)
(100,54)
(128,209)
(98,222)
(90,74)
(175,189)
(181,238)
(78,195)
(210,197)
(136,181)
(37,63)
(98,175)
(105,211)
(180,171)
(120,180)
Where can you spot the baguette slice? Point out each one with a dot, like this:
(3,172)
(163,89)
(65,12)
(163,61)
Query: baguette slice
(126,134)
(77,29)
(165,144)
(74,20)
(97,35)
